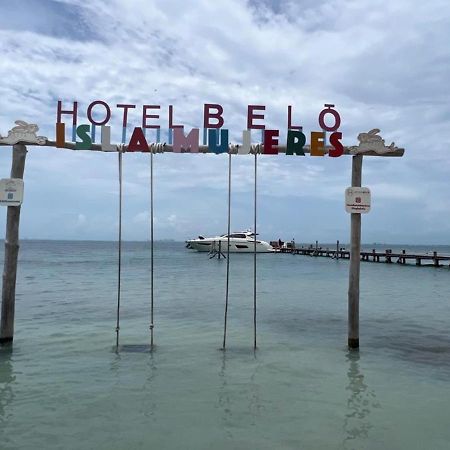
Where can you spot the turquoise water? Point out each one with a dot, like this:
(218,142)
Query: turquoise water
(62,386)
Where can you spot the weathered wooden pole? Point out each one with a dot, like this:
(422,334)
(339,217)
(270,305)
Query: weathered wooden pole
(11,252)
(337,249)
(355,260)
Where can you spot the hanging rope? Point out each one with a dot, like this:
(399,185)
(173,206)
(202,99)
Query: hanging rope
(119,275)
(153,149)
(254,253)
(151,248)
(228,253)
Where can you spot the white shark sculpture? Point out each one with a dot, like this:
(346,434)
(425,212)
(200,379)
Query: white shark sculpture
(23,132)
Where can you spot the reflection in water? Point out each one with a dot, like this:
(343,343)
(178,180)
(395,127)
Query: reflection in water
(7,378)
(360,402)
(149,403)
(231,399)
(120,367)
(224,398)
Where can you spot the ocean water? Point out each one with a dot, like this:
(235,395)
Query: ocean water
(63,387)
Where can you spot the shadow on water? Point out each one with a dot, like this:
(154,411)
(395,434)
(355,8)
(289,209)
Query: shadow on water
(421,346)
(413,343)
(361,401)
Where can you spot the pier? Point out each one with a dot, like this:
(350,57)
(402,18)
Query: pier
(387,256)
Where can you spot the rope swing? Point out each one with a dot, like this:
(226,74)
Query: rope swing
(228,253)
(254,251)
(119,274)
(256,149)
(154,148)
(151,247)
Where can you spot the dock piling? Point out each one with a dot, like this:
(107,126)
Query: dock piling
(435,259)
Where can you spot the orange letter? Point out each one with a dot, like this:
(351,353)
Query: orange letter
(317,139)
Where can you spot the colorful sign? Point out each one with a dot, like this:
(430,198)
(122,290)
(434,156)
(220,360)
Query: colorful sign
(11,191)
(357,200)
(215,133)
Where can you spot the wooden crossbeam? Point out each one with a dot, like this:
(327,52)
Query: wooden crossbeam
(166,148)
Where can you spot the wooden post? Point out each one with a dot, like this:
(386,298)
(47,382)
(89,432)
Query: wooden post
(355,262)
(11,252)
(435,259)
(388,257)
(337,249)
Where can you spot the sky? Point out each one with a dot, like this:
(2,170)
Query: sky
(384,64)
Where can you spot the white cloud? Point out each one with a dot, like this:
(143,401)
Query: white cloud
(383,64)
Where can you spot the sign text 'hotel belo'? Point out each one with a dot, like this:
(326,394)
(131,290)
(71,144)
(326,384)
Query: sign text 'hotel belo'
(215,133)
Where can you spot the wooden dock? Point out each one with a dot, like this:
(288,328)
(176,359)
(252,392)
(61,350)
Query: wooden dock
(387,256)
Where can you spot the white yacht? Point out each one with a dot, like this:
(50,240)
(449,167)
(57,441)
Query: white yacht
(240,242)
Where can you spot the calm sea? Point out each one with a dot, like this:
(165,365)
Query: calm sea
(63,386)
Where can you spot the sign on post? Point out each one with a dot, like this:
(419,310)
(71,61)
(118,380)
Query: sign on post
(357,200)
(11,191)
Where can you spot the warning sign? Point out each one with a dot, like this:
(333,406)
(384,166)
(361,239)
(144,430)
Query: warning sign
(11,191)
(357,200)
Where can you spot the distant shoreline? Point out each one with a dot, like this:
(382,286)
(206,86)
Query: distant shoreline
(174,241)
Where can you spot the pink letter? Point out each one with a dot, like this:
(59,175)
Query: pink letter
(182,142)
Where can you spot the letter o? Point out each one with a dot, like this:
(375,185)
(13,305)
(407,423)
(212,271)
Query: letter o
(334,113)
(91,107)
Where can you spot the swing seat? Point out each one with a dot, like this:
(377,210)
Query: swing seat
(134,348)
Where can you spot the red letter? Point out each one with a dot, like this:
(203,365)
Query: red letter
(73,112)
(138,143)
(171,125)
(290,126)
(271,142)
(337,118)
(89,113)
(125,113)
(251,117)
(338,147)
(146,116)
(207,115)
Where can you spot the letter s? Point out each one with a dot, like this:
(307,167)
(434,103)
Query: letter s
(335,142)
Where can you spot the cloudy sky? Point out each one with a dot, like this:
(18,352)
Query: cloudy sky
(384,64)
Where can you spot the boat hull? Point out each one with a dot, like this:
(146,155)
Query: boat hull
(236,246)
